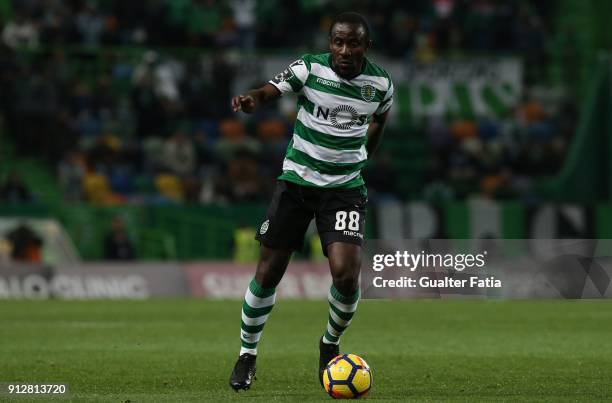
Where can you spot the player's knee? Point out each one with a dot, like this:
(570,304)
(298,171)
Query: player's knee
(271,267)
(346,280)
(268,274)
(346,284)
(345,272)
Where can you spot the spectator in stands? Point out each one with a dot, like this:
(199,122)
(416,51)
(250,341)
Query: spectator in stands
(71,172)
(163,74)
(179,154)
(19,32)
(117,244)
(55,26)
(223,73)
(26,245)
(432,26)
(245,19)
(14,190)
(147,105)
(90,24)
(234,139)
(243,178)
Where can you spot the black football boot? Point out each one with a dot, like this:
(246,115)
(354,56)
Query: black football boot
(243,373)
(326,353)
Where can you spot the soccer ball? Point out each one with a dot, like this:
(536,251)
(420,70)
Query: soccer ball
(347,376)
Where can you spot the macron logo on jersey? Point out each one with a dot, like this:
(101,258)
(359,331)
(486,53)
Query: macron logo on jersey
(329,83)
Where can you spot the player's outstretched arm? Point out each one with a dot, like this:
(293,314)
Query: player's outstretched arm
(375,132)
(253,99)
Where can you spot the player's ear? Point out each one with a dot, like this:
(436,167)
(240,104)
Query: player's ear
(368,44)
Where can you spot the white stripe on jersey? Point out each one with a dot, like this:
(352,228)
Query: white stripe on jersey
(325,126)
(300,70)
(389,93)
(384,108)
(327,154)
(380,83)
(283,86)
(315,177)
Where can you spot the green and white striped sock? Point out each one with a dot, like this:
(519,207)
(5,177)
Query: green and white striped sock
(258,302)
(341,311)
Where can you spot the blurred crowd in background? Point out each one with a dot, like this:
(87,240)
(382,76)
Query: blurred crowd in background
(157,128)
(399,29)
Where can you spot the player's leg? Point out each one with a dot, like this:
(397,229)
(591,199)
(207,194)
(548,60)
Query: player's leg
(260,296)
(341,225)
(281,233)
(343,297)
(258,302)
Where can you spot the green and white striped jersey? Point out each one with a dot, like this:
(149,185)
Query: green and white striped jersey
(328,148)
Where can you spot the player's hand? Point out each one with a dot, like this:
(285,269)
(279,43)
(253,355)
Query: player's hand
(245,103)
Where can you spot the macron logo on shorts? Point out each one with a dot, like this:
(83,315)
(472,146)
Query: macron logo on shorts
(353,233)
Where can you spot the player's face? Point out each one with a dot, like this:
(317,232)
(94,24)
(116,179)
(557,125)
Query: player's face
(348,46)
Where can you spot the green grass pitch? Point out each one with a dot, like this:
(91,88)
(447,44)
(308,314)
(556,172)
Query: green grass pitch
(183,350)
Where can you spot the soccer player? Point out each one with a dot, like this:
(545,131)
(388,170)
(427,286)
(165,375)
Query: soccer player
(343,103)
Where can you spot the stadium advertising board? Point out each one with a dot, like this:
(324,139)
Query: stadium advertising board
(221,280)
(108,280)
(24,281)
(212,280)
(476,87)
(92,281)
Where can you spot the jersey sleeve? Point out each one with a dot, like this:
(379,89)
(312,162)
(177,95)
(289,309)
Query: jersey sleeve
(293,78)
(387,101)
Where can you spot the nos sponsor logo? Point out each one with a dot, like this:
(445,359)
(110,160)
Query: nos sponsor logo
(343,117)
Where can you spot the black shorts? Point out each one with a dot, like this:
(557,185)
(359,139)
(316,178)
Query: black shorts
(339,214)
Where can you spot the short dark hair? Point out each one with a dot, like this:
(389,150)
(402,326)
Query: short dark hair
(351,17)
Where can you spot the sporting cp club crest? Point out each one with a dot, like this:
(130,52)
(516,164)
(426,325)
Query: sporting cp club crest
(264,227)
(368,92)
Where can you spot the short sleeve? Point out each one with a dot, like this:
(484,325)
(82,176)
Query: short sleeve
(293,78)
(387,101)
